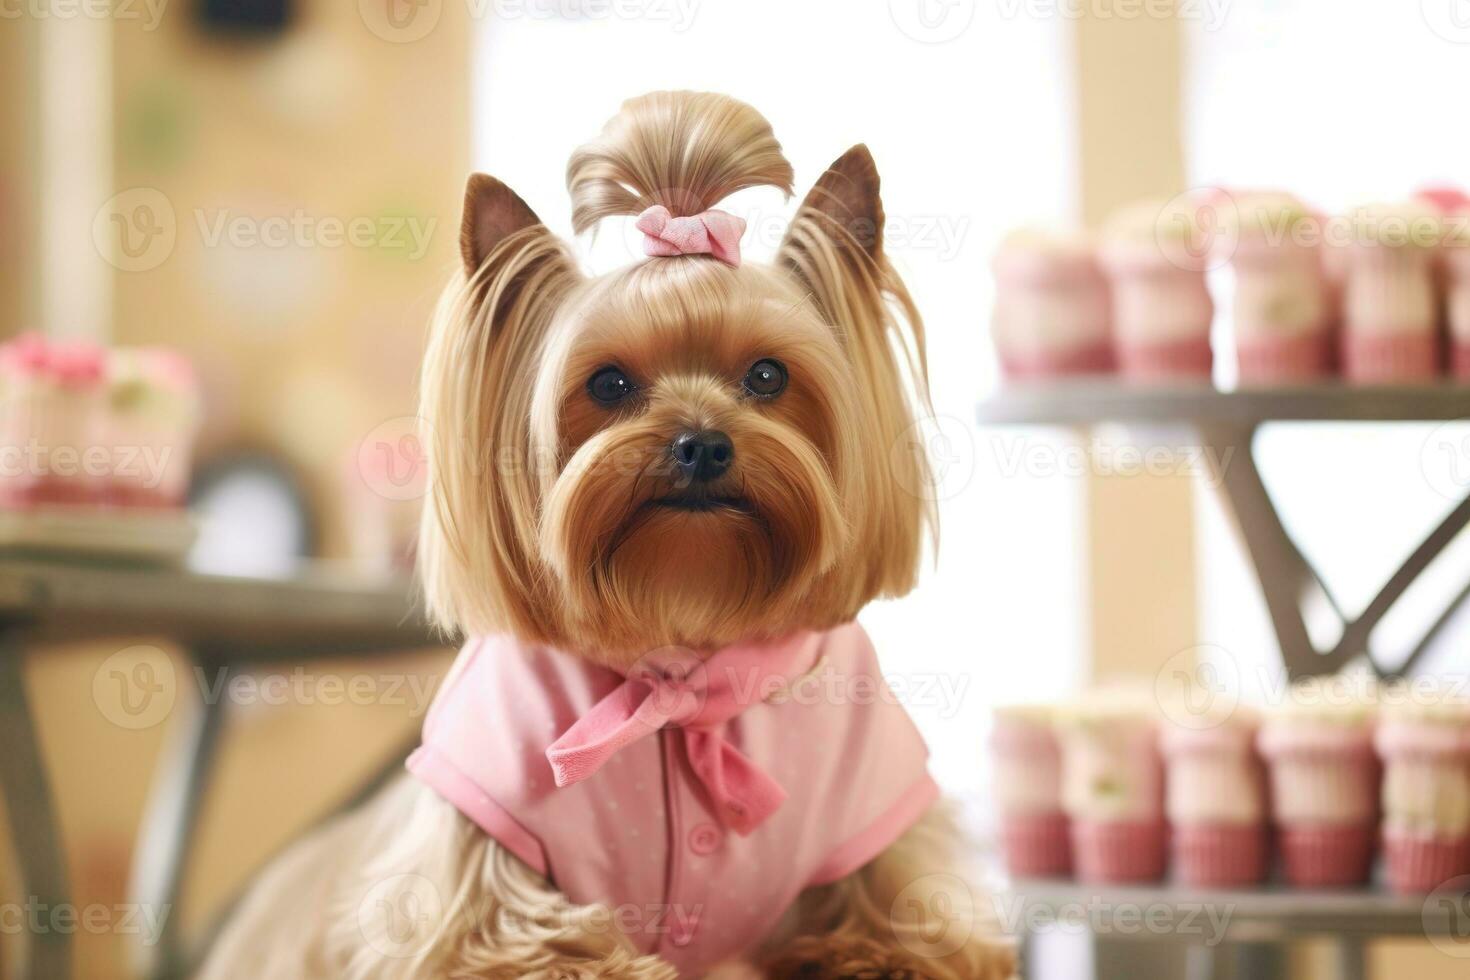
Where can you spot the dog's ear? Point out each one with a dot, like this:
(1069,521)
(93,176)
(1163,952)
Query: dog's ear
(845,207)
(834,250)
(492,213)
(477,539)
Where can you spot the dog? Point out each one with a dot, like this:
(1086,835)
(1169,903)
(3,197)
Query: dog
(658,499)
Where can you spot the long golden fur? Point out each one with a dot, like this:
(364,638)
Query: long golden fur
(550,517)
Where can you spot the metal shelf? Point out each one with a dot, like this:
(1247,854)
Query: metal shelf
(1226,422)
(1083,401)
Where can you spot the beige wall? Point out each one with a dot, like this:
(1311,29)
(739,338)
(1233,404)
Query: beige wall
(1140,528)
(303,350)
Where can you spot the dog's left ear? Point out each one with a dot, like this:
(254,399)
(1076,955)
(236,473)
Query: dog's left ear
(834,249)
(843,210)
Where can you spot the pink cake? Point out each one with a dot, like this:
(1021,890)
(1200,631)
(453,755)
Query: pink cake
(1216,801)
(1453,206)
(1425,744)
(1155,254)
(1028,793)
(1390,310)
(1113,790)
(1281,300)
(153,417)
(1324,777)
(1051,313)
(53,397)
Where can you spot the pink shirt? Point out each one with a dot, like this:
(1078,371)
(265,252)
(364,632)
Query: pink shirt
(696,798)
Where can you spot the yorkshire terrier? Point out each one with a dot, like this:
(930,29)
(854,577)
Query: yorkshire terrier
(658,499)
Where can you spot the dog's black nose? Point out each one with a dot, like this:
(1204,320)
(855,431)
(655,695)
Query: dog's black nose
(703,455)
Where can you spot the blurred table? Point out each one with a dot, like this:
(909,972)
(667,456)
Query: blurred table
(223,623)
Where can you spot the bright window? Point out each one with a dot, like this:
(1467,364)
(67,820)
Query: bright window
(972,136)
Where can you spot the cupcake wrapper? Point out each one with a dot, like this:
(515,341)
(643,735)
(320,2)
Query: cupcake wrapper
(1220,855)
(1460,360)
(1037,845)
(1325,856)
(1190,358)
(1419,864)
(1390,357)
(1277,359)
(1108,852)
(1093,359)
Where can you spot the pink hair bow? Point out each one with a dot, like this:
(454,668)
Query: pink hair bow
(699,698)
(714,233)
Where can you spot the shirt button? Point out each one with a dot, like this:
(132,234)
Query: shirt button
(682,933)
(705,839)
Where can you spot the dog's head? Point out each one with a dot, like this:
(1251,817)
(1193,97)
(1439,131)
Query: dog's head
(682,451)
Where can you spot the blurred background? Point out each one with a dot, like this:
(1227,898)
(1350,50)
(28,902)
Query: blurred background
(273,189)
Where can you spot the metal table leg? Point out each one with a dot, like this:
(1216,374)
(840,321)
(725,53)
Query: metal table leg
(1287,578)
(1351,953)
(34,829)
(166,834)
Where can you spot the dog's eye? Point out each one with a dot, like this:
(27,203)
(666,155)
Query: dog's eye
(766,378)
(608,386)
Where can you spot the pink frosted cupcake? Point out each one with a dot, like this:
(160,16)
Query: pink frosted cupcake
(1051,306)
(1216,801)
(1155,255)
(1424,739)
(153,418)
(1390,311)
(1454,275)
(1113,791)
(1318,747)
(1281,315)
(53,397)
(1028,793)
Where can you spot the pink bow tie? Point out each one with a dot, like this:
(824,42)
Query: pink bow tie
(699,698)
(714,233)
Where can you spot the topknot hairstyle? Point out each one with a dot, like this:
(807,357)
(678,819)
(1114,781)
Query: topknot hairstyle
(684,150)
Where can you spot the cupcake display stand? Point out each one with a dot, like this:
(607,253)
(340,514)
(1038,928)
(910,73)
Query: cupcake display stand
(1259,922)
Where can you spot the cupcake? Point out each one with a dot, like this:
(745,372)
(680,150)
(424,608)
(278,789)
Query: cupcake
(1028,793)
(1453,207)
(1051,306)
(153,417)
(1323,777)
(1113,790)
(53,396)
(1155,255)
(1390,312)
(1281,313)
(25,390)
(1425,745)
(1216,801)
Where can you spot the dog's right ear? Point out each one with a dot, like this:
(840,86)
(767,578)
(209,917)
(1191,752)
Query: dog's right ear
(477,543)
(492,214)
